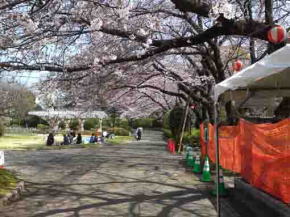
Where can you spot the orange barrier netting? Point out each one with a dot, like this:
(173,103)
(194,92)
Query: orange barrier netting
(260,152)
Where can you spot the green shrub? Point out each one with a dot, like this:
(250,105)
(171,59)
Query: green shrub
(119,131)
(124,123)
(91,123)
(167,133)
(61,125)
(2,129)
(74,124)
(176,119)
(42,128)
(157,123)
(165,123)
(143,122)
(191,138)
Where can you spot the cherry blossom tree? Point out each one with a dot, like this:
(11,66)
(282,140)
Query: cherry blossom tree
(148,52)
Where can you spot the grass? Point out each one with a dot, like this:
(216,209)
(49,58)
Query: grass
(35,142)
(120,140)
(8,182)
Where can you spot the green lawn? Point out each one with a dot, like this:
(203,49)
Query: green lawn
(37,142)
(119,140)
(34,142)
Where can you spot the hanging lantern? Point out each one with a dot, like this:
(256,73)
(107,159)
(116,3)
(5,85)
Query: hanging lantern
(277,34)
(238,65)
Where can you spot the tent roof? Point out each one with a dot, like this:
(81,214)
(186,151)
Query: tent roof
(69,114)
(270,75)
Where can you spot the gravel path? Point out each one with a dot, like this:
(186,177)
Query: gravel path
(138,179)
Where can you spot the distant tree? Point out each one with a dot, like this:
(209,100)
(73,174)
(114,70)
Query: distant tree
(16,100)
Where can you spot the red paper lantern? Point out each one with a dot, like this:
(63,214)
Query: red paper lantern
(277,34)
(238,65)
(192,106)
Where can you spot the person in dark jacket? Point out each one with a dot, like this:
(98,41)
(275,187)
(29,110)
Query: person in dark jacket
(50,140)
(93,138)
(138,133)
(65,140)
(79,139)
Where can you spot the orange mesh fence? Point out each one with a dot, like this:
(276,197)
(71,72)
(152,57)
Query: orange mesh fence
(265,152)
(211,143)
(229,142)
(260,152)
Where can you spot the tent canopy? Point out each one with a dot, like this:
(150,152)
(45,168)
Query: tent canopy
(268,78)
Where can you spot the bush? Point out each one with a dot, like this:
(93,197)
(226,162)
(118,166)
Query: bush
(74,124)
(119,131)
(91,123)
(167,133)
(191,138)
(61,125)
(42,128)
(124,123)
(2,129)
(165,122)
(32,121)
(157,123)
(143,122)
(176,118)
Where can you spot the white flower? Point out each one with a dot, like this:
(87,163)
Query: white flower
(142,32)
(222,7)
(96,24)
(118,73)
(96,61)
(113,57)
(140,53)
(149,41)
(124,13)
(132,37)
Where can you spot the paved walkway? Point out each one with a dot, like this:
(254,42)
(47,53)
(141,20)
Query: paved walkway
(138,179)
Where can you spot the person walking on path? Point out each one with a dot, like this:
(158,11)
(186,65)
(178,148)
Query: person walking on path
(138,133)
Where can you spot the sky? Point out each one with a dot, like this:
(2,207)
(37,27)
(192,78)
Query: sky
(28,79)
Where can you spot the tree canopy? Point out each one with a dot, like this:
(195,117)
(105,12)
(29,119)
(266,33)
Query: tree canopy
(138,55)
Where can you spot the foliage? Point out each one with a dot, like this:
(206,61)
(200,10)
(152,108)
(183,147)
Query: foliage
(124,123)
(176,118)
(167,133)
(8,181)
(165,122)
(2,129)
(74,124)
(191,137)
(143,122)
(119,131)
(29,121)
(61,125)
(129,46)
(42,128)
(91,123)
(16,100)
(157,123)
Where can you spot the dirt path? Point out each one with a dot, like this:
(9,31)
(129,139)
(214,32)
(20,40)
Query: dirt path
(138,179)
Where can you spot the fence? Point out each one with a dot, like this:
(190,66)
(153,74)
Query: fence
(260,152)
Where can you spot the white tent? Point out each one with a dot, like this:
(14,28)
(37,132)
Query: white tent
(260,84)
(269,76)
